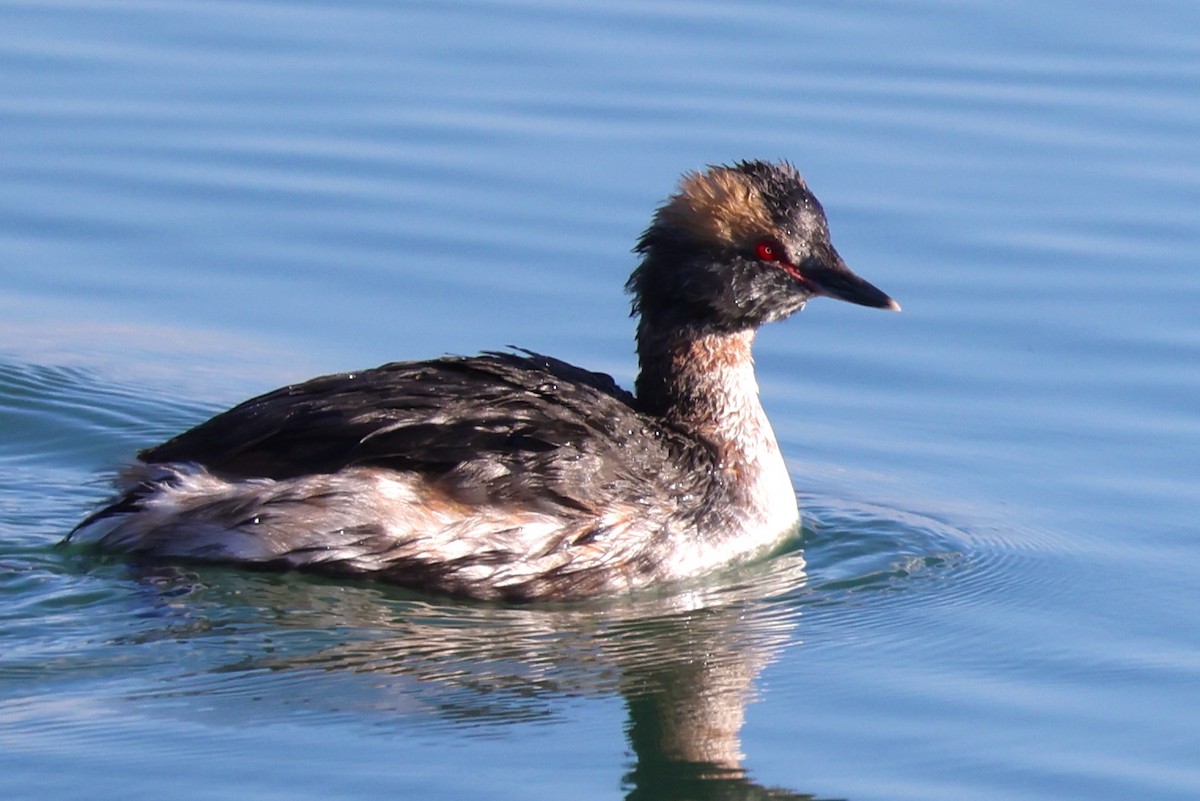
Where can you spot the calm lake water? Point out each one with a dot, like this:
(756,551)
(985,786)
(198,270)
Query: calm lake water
(996,595)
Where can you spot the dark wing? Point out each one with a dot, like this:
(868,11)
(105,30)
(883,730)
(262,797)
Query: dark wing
(523,428)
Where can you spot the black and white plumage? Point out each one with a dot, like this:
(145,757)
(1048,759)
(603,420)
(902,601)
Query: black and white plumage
(515,475)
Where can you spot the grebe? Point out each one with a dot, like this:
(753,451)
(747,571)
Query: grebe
(516,476)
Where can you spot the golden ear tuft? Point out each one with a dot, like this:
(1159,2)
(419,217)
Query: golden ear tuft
(721,206)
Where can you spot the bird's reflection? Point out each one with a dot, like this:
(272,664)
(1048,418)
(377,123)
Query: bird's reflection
(685,662)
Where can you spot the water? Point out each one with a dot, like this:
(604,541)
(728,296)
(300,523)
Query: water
(995,596)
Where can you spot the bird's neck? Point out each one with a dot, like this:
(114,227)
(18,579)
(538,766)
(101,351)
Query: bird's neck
(703,381)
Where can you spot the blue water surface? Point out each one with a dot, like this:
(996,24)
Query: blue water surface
(995,595)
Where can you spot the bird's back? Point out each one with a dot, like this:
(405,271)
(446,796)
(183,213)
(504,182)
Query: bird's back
(300,477)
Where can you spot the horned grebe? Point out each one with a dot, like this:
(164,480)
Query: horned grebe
(517,476)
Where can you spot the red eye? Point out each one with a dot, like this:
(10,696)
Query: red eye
(768,251)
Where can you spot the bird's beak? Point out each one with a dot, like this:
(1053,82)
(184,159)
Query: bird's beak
(826,274)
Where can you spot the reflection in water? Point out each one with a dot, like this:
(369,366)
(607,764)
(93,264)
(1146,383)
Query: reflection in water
(685,663)
(686,709)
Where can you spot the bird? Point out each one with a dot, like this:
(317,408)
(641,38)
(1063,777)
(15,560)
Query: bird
(513,476)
